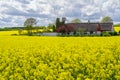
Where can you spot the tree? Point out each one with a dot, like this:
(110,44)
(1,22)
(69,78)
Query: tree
(63,20)
(60,23)
(52,26)
(65,29)
(57,22)
(76,20)
(106,19)
(29,23)
(37,29)
(62,30)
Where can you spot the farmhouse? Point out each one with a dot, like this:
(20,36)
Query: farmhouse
(92,28)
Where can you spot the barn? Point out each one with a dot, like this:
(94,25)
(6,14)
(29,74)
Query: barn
(92,28)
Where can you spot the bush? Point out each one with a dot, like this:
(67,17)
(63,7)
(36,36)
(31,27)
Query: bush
(115,33)
(111,33)
(77,34)
(105,34)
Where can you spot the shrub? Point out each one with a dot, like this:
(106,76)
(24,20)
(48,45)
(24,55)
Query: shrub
(105,34)
(115,33)
(77,34)
(111,33)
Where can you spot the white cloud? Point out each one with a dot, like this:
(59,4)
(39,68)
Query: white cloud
(15,12)
(90,10)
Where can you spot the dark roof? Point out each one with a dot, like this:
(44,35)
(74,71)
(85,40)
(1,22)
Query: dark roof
(92,26)
(106,26)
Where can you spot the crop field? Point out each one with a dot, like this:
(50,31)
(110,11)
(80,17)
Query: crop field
(8,33)
(16,32)
(59,58)
(117,28)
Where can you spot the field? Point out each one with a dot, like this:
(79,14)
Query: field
(117,28)
(16,32)
(61,58)
(8,33)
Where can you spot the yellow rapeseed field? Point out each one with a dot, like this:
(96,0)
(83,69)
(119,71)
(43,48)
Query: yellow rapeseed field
(117,28)
(16,32)
(59,58)
(8,33)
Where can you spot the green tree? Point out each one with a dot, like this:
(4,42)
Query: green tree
(57,22)
(29,23)
(37,29)
(29,29)
(106,19)
(76,20)
(52,26)
(63,20)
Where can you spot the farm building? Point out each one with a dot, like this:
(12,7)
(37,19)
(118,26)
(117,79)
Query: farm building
(91,28)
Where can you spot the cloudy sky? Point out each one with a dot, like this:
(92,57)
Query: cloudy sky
(15,12)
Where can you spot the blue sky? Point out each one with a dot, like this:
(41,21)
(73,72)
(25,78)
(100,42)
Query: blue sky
(15,12)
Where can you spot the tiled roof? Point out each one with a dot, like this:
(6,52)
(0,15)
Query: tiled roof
(92,26)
